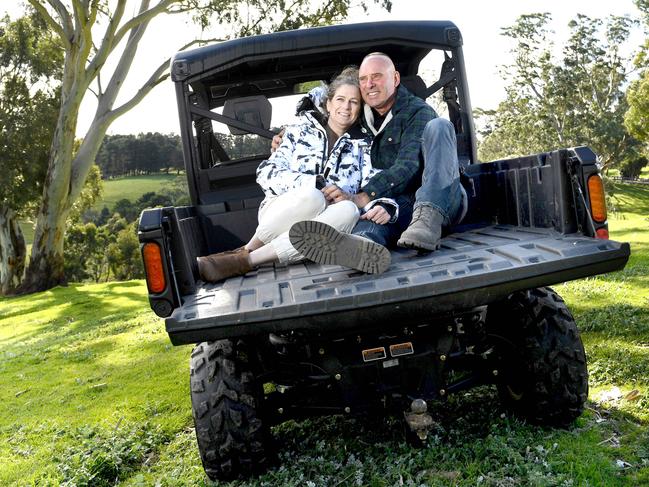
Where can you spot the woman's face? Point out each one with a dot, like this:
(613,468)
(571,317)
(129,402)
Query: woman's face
(344,108)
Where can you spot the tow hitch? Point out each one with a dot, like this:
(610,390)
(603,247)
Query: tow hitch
(418,419)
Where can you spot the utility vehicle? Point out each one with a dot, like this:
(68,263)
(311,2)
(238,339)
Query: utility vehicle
(307,339)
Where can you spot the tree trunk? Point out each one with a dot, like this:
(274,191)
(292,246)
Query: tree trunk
(46,269)
(12,251)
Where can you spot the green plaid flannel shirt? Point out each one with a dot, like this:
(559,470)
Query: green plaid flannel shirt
(397,148)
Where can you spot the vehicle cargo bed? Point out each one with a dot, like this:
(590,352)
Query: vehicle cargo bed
(473,268)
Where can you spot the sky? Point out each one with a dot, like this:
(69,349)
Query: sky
(479,21)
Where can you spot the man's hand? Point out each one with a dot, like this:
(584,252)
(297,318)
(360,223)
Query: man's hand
(333,194)
(277,140)
(377,214)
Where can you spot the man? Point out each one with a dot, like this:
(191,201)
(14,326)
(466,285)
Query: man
(407,136)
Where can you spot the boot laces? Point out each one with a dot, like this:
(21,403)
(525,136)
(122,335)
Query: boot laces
(420,214)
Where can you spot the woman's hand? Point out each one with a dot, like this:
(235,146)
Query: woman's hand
(333,194)
(277,140)
(377,214)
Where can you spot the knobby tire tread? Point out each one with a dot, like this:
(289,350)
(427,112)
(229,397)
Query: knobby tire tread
(231,437)
(553,384)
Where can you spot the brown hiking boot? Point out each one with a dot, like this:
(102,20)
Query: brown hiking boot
(216,267)
(324,244)
(424,231)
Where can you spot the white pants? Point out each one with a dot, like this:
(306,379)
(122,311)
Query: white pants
(278,214)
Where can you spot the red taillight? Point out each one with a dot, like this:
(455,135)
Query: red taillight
(602,233)
(155,275)
(597,198)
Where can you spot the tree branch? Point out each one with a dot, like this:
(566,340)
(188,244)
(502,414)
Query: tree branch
(56,27)
(66,20)
(80,13)
(108,42)
(86,20)
(145,15)
(198,41)
(92,140)
(157,77)
(99,90)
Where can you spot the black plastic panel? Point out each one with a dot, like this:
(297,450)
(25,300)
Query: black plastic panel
(473,268)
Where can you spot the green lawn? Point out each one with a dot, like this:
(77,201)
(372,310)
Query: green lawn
(132,188)
(92,393)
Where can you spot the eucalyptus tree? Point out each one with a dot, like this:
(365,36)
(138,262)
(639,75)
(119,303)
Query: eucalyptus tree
(89,33)
(561,98)
(29,73)
(637,118)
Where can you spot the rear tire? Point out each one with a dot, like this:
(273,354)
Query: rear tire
(541,358)
(226,396)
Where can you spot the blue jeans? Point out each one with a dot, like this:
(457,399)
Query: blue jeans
(440,181)
(388,234)
(440,186)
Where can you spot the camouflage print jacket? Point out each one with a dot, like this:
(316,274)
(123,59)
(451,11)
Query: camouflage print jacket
(303,154)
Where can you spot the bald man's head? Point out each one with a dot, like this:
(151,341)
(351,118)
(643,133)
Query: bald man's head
(379,80)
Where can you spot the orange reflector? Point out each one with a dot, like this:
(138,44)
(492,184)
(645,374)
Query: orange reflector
(597,198)
(155,275)
(602,233)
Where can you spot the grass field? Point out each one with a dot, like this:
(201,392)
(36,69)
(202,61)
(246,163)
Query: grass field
(132,188)
(92,393)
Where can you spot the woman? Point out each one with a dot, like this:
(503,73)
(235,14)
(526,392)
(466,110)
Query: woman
(315,157)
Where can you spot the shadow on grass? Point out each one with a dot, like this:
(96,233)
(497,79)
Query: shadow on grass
(631,198)
(77,310)
(74,294)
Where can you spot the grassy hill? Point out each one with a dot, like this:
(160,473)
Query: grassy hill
(131,187)
(92,393)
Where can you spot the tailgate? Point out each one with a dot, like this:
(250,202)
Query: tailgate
(472,268)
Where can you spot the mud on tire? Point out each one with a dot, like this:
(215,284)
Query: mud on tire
(541,359)
(232,439)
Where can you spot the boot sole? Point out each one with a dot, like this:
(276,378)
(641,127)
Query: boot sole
(414,244)
(324,244)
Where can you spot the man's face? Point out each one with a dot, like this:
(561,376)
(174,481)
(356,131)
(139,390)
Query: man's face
(379,81)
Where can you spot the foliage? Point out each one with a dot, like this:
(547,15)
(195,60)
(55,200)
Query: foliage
(258,16)
(85,251)
(103,246)
(90,194)
(127,155)
(637,117)
(29,72)
(123,255)
(631,168)
(100,458)
(99,253)
(91,386)
(562,101)
(29,96)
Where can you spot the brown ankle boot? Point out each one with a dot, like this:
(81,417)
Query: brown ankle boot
(216,267)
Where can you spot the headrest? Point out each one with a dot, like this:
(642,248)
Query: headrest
(253,110)
(415,85)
